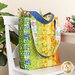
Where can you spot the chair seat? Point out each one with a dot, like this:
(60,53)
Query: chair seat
(43,71)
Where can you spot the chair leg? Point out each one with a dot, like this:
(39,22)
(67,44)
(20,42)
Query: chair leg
(11,64)
(11,72)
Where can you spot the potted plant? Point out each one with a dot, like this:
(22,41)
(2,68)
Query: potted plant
(70,24)
(3,57)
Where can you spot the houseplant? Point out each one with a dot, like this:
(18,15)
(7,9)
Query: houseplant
(70,24)
(3,57)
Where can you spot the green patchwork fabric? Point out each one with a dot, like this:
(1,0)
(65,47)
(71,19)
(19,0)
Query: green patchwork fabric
(29,57)
(21,40)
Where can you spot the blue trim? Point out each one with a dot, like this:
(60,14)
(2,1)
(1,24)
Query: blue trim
(44,56)
(40,18)
(54,23)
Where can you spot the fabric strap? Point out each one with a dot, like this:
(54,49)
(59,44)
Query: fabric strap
(40,18)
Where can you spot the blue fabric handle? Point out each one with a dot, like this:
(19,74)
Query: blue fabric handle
(40,18)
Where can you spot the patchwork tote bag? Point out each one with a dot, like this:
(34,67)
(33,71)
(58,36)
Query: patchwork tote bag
(39,39)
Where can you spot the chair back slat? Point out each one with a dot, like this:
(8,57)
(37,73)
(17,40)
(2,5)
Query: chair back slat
(14,29)
(16,52)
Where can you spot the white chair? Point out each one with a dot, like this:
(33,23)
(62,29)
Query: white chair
(9,22)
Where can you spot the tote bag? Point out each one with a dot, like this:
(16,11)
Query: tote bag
(39,39)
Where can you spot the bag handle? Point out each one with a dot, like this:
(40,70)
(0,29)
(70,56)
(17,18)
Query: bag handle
(49,13)
(56,44)
(40,18)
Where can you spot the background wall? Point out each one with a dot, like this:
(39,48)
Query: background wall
(61,8)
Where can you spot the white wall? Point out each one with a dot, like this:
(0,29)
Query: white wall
(61,8)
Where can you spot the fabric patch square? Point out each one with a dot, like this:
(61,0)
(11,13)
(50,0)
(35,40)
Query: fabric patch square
(27,53)
(27,61)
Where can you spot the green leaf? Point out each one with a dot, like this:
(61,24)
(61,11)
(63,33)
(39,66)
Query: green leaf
(0,36)
(5,50)
(3,59)
(73,23)
(1,23)
(40,12)
(6,14)
(73,18)
(74,26)
(2,30)
(2,39)
(2,6)
(13,37)
(0,48)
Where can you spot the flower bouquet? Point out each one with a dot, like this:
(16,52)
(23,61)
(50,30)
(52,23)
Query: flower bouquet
(70,24)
